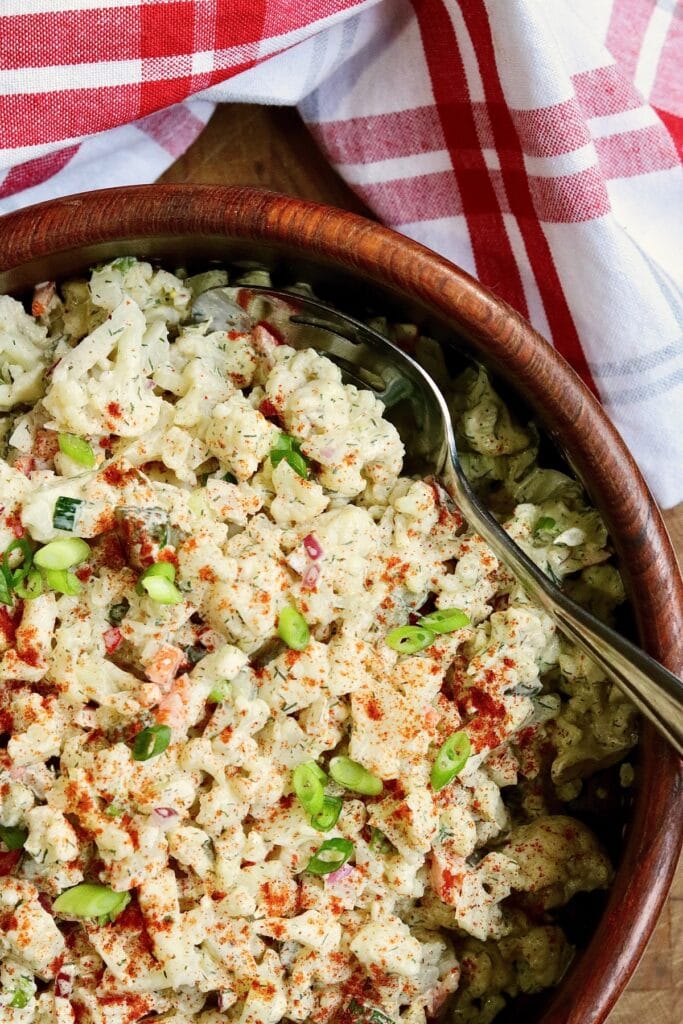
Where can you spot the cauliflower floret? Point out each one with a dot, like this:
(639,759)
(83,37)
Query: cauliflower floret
(311,929)
(14,488)
(558,857)
(24,352)
(51,838)
(29,660)
(296,500)
(388,944)
(239,436)
(340,427)
(160,295)
(31,934)
(410,822)
(99,387)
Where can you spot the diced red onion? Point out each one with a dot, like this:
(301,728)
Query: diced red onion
(112,638)
(164,817)
(64,982)
(328,453)
(338,876)
(310,577)
(225,1001)
(312,545)
(266,408)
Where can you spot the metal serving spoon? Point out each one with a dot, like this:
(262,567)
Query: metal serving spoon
(371,361)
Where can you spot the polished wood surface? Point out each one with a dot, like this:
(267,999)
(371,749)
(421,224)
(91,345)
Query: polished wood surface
(168,220)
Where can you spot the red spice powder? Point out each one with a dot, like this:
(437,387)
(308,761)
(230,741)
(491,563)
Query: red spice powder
(30,656)
(373,710)
(14,523)
(116,476)
(8,625)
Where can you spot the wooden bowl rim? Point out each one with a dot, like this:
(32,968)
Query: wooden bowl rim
(572,413)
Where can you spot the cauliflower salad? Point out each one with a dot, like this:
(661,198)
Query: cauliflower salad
(280,738)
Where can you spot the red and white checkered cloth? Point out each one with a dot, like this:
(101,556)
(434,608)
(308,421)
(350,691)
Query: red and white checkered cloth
(537,143)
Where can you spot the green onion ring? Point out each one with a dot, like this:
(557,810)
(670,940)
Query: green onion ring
(21,571)
(450,760)
(409,639)
(308,787)
(355,777)
(62,554)
(88,900)
(151,742)
(292,628)
(78,449)
(327,817)
(445,620)
(340,851)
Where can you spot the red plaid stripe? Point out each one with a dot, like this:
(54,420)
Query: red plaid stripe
(626,29)
(493,257)
(520,197)
(173,129)
(566,199)
(33,172)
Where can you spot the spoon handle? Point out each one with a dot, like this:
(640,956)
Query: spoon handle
(655,691)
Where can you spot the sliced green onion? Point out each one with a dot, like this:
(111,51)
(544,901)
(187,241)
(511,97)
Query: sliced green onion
(23,993)
(15,574)
(30,588)
(163,569)
(13,838)
(63,582)
(308,787)
(65,513)
(327,817)
(355,777)
(293,629)
(78,449)
(88,900)
(113,811)
(332,855)
(315,767)
(62,554)
(450,760)
(445,620)
(219,692)
(151,742)
(157,581)
(162,590)
(410,639)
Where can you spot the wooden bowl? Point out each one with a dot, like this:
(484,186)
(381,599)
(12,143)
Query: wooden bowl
(350,255)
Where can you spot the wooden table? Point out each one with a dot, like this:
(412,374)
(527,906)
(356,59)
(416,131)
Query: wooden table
(270,147)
